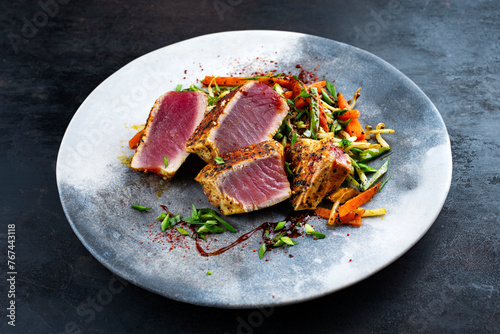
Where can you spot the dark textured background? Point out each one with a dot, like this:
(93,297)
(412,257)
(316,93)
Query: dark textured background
(448,282)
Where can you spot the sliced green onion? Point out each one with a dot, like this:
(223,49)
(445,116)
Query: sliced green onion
(210,272)
(308,228)
(140,208)
(178,88)
(303,93)
(174,220)
(366,168)
(314,114)
(326,98)
(262,250)
(279,243)
(219,160)
(278,89)
(383,183)
(301,113)
(289,241)
(182,231)
(331,89)
(371,153)
(343,124)
(279,226)
(165,160)
(165,223)
(294,139)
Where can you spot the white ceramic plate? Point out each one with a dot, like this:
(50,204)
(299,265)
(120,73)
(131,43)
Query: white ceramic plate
(96,189)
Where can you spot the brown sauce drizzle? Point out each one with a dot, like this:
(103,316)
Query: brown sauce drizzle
(292,229)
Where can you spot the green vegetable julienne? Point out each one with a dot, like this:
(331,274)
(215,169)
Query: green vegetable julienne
(331,89)
(326,98)
(383,183)
(289,241)
(381,171)
(314,114)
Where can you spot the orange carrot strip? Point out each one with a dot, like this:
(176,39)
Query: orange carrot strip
(357,201)
(300,103)
(354,129)
(224,81)
(355,220)
(236,81)
(342,102)
(322,212)
(350,114)
(350,216)
(134,142)
(288,94)
(319,84)
(322,116)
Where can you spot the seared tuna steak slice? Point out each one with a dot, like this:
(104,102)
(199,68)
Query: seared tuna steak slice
(249,115)
(172,120)
(319,168)
(250,179)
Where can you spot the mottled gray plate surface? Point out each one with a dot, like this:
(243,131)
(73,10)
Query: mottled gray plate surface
(97,189)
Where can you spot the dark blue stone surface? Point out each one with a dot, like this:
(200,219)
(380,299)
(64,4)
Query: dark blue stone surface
(55,54)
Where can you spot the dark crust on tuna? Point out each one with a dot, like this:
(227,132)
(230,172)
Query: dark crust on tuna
(245,154)
(321,158)
(211,120)
(210,175)
(200,142)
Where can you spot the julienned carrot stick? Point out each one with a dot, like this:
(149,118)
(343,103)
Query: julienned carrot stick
(288,94)
(355,221)
(357,201)
(350,217)
(354,129)
(350,114)
(134,142)
(300,103)
(342,102)
(236,81)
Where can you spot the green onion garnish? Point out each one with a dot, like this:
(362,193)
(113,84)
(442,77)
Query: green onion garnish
(140,208)
(182,231)
(279,226)
(262,250)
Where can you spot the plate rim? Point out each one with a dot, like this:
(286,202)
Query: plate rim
(130,278)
